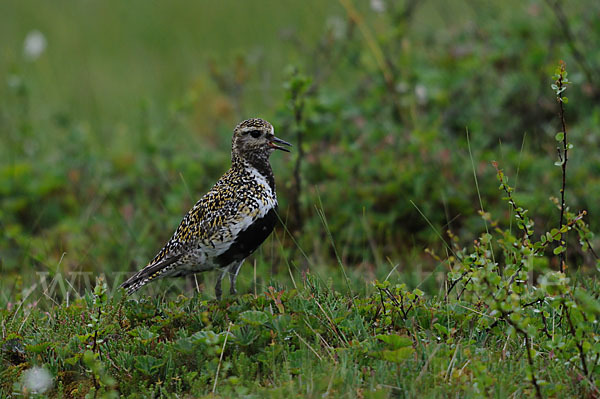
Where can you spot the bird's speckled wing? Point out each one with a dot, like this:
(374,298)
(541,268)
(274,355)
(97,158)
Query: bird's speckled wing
(237,200)
(215,220)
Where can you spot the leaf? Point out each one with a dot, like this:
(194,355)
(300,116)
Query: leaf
(246,335)
(184,345)
(558,250)
(486,238)
(254,317)
(588,302)
(441,329)
(148,364)
(143,334)
(559,136)
(37,348)
(205,338)
(395,341)
(73,360)
(398,355)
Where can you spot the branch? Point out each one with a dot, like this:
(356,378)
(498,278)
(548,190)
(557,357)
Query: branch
(561,83)
(518,210)
(570,38)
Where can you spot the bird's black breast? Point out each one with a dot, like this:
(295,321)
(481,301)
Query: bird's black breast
(248,240)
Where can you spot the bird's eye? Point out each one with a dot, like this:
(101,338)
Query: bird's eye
(255,133)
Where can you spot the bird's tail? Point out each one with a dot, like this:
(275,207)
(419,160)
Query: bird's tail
(135,282)
(147,274)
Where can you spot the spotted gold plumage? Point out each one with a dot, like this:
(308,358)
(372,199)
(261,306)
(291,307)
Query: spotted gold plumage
(230,221)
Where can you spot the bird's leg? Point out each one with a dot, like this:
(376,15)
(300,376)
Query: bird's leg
(233,273)
(218,290)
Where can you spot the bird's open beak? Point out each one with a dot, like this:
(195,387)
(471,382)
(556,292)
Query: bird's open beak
(274,141)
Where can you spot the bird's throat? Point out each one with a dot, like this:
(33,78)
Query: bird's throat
(260,164)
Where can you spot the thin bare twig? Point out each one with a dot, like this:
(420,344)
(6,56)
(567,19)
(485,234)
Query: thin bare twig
(221,359)
(534,382)
(591,248)
(538,390)
(518,212)
(578,343)
(560,83)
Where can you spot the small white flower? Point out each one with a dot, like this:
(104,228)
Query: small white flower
(34,45)
(337,26)
(378,6)
(37,380)
(421,93)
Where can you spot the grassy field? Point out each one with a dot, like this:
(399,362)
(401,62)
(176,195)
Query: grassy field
(422,250)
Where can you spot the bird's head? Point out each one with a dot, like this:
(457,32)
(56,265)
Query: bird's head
(254,139)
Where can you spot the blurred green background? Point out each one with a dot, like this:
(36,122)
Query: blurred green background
(115,117)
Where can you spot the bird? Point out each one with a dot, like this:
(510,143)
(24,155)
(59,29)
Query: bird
(230,221)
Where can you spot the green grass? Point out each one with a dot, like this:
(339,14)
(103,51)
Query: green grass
(104,58)
(304,342)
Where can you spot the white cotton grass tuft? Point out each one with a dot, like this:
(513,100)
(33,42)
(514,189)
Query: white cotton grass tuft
(378,6)
(34,45)
(37,380)
(421,94)
(336,26)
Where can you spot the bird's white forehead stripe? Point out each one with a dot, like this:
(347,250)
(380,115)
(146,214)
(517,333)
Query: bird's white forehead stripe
(272,130)
(251,128)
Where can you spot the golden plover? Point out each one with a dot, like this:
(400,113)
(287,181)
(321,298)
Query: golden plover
(230,221)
